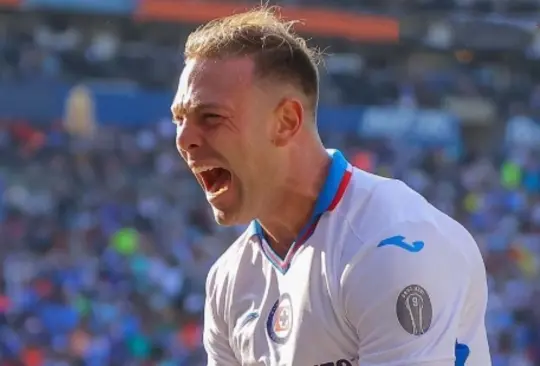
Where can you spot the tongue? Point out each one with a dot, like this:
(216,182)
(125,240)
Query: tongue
(221,179)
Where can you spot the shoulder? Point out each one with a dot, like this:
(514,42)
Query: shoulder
(407,270)
(373,202)
(393,225)
(376,198)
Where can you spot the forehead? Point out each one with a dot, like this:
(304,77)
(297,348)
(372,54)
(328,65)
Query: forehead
(209,81)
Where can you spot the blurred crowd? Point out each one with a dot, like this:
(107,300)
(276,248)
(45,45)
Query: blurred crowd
(106,240)
(73,49)
(486,6)
(106,244)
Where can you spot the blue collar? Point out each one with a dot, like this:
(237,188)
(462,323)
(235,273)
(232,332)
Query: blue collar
(327,195)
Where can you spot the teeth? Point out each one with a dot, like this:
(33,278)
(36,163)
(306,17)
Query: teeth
(202,169)
(218,192)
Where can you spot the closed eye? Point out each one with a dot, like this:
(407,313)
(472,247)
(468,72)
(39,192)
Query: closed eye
(211,115)
(211,118)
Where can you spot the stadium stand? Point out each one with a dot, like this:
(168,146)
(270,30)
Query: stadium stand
(105,239)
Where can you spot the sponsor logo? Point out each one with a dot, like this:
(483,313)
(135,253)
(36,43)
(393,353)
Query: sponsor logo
(399,241)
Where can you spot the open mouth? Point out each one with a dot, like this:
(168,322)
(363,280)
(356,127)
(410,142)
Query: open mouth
(215,180)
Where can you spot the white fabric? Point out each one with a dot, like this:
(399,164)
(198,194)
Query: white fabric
(340,296)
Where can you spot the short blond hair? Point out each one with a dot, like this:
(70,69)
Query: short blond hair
(277,51)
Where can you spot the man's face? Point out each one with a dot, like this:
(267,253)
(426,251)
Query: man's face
(225,126)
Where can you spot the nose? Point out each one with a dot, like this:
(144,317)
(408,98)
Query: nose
(188,137)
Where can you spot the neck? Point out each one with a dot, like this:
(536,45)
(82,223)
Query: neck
(293,203)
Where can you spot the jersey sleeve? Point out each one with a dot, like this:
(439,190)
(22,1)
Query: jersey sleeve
(407,299)
(215,333)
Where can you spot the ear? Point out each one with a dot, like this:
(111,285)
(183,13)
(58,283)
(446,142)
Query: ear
(289,117)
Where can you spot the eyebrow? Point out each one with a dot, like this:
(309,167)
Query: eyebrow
(179,110)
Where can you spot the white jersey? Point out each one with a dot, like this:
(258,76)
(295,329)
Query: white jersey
(378,277)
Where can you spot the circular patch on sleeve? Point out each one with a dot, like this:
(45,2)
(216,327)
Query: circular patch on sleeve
(414,310)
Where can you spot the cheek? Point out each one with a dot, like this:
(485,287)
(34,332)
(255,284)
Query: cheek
(248,147)
(256,153)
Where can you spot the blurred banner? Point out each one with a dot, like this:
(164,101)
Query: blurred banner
(491,33)
(429,127)
(10,3)
(453,31)
(99,6)
(472,111)
(473,32)
(522,131)
(320,21)
(103,103)
(110,104)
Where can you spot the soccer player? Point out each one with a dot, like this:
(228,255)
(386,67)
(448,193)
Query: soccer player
(338,266)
